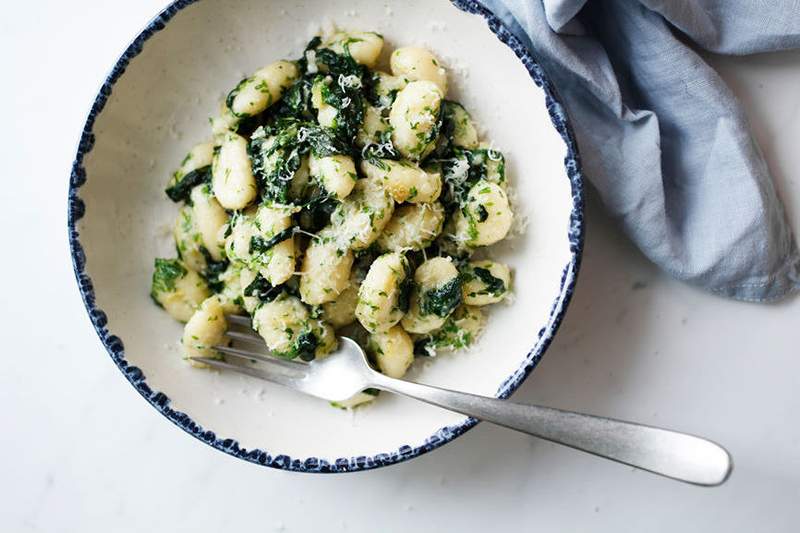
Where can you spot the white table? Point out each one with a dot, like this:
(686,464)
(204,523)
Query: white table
(81,451)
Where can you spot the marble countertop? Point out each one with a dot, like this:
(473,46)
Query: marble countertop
(81,451)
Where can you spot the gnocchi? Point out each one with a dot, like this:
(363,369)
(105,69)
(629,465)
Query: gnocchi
(403,180)
(210,220)
(262,240)
(339,194)
(486,216)
(325,273)
(177,289)
(204,330)
(255,94)
(414,119)
(436,294)
(393,351)
(361,217)
(485,282)
(381,296)
(412,227)
(418,64)
(289,331)
(232,174)
(335,173)
(363,46)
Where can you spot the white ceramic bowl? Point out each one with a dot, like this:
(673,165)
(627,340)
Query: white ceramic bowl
(155,105)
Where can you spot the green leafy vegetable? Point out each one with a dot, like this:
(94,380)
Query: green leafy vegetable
(213,271)
(260,245)
(494,286)
(306,345)
(180,190)
(166,273)
(262,289)
(443,300)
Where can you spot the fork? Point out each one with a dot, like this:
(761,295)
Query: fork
(347,372)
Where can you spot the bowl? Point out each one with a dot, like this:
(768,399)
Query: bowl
(155,105)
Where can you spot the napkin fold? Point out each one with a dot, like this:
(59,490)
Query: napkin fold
(661,136)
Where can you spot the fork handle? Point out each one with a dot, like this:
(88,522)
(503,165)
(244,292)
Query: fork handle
(660,451)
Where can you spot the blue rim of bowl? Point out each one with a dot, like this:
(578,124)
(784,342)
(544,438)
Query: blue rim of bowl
(161,401)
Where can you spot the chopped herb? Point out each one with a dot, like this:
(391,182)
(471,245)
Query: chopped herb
(165,274)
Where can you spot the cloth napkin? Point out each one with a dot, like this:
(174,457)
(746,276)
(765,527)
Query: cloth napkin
(662,138)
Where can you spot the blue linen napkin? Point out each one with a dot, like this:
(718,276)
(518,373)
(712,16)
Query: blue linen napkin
(662,138)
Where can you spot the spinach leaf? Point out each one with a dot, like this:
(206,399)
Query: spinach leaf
(260,245)
(494,286)
(213,271)
(443,300)
(313,44)
(262,289)
(306,345)
(276,156)
(345,92)
(181,189)
(316,213)
(483,214)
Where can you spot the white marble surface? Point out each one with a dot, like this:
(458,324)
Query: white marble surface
(81,451)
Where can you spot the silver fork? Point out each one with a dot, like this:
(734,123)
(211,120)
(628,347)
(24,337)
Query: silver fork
(347,372)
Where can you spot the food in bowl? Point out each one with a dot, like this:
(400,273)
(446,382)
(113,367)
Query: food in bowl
(337,197)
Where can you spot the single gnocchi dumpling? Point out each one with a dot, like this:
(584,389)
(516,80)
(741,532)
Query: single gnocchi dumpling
(255,94)
(286,327)
(382,298)
(233,182)
(335,173)
(416,64)
(177,289)
(361,217)
(404,180)
(325,273)
(436,294)
(414,119)
(363,46)
(486,217)
(413,227)
(485,282)
(189,240)
(341,312)
(205,329)
(392,350)
(263,240)
(210,220)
